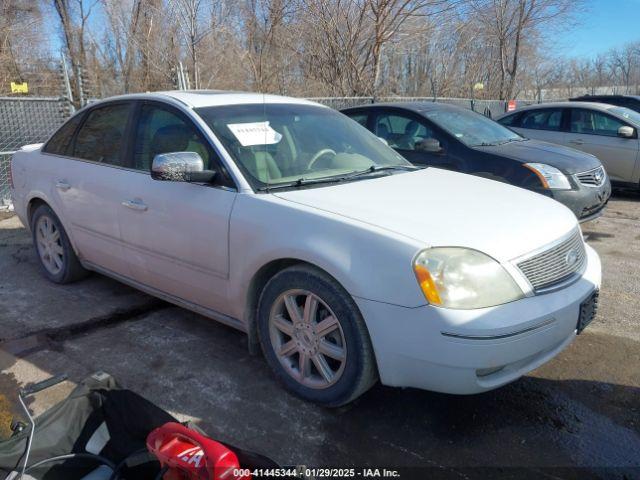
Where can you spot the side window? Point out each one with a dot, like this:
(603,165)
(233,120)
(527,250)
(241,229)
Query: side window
(162,131)
(510,120)
(60,142)
(361,118)
(542,119)
(402,132)
(102,135)
(591,122)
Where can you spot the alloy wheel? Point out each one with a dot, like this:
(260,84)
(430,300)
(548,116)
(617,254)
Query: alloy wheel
(49,244)
(307,339)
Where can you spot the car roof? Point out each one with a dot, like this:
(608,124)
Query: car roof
(212,98)
(537,106)
(417,107)
(605,96)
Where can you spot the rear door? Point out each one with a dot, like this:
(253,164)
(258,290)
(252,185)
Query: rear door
(176,234)
(544,124)
(596,132)
(414,138)
(90,181)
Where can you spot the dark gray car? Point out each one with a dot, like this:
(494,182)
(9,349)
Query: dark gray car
(445,136)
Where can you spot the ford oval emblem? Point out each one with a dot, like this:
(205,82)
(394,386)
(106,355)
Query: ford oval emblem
(571,258)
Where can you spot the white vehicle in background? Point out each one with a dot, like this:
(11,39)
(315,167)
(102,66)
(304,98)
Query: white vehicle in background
(607,131)
(291,222)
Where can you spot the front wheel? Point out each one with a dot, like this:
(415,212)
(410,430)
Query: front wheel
(314,338)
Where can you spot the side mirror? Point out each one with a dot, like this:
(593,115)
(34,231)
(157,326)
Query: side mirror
(626,132)
(180,167)
(429,145)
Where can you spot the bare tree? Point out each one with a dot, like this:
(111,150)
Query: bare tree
(73,16)
(190,15)
(509,23)
(17,19)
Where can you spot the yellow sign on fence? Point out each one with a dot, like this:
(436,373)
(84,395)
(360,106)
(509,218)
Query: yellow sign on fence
(19,87)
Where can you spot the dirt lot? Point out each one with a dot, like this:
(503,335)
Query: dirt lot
(580,410)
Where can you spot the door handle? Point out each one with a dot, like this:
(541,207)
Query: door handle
(577,142)
(135,205)
(62,185)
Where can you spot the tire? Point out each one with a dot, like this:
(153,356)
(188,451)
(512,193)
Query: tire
(56,256)
(333,343)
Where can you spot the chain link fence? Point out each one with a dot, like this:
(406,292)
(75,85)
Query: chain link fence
(23,121)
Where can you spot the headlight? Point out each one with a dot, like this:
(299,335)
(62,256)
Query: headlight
(461,278)
(550,176)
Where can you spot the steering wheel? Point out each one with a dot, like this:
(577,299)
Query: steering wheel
(317,156)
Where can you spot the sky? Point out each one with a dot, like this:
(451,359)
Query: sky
(606,24)
(603,25)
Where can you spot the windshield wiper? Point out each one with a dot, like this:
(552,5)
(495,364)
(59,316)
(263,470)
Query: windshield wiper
(377,168)
(495,144)
(301,182)
(509,140)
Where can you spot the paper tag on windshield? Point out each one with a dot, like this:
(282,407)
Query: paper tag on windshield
(256,133)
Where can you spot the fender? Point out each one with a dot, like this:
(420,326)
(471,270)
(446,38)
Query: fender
(265,229)
(39,195)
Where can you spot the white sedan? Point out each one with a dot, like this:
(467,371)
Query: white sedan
(294,224)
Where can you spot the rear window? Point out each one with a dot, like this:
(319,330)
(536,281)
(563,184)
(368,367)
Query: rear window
(101,137)
(509,120)
(542,119)
(361,118)
(60,142)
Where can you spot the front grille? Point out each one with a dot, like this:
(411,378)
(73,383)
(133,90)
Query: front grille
(555,265)
(592,178)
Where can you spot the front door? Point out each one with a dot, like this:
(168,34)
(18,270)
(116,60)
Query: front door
(176,234)
(597,133)
(414,139)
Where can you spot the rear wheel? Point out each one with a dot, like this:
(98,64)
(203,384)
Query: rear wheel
(57,259)
(314,338)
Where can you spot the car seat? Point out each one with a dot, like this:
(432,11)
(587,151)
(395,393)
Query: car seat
(530,122)
(105,151)
(407,140)
(382,131)
(260,163)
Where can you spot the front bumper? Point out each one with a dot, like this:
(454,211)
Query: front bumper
(412,351)
(587,203)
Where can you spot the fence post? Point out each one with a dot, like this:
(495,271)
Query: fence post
(67,83)
(79,82)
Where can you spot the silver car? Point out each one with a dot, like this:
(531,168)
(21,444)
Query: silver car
(606,131)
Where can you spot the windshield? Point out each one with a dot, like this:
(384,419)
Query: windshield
(276,144)
(630,115)
(471,128)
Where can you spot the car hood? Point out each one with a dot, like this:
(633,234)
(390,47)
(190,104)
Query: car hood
(568,160)
(442,208)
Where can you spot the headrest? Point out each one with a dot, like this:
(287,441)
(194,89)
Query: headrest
(172,138)
(383,130)
(411,128)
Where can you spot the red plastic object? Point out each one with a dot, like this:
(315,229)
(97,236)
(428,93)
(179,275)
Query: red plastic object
(191,456)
